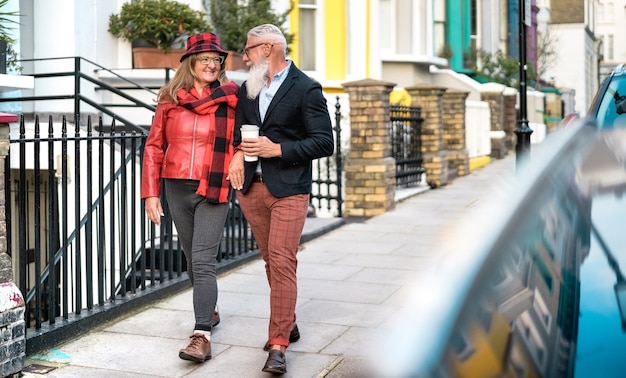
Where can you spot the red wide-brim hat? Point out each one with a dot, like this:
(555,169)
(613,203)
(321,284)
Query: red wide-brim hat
(203,42)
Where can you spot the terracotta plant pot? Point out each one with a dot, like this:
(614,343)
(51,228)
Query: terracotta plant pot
(149,57)
(234,62)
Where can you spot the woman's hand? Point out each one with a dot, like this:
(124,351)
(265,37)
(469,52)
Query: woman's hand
(154,211)
(235,171)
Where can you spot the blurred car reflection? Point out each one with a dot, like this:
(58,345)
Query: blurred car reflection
(538,290)
(568,120)
(609,105)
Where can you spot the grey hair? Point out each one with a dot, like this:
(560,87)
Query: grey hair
(272,31)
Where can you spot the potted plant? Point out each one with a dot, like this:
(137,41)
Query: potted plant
(8,55)
(232,20)
(163,25)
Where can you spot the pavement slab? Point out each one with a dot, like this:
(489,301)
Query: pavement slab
(355,275)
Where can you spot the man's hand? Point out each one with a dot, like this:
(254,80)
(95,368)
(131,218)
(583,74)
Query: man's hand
(262,147)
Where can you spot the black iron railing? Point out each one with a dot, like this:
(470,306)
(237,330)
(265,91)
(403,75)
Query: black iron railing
(406,144)
(75,224)
(79,75)
(82,237)
(327,194)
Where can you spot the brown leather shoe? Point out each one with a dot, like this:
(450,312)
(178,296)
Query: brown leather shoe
(275,363)
(294,336)
(198,350)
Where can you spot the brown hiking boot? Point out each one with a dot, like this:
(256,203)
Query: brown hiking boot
(198,350)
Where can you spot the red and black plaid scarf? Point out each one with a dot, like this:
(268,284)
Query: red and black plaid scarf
(220,106)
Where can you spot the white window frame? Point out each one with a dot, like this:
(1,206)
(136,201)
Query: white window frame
(389,25)
(439,22)
(319,69)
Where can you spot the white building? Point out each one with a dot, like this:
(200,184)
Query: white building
(576,66)
(610,29)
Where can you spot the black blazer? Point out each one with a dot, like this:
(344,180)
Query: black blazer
(298,119)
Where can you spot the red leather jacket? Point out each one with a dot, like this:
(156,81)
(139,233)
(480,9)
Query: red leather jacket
(174,148)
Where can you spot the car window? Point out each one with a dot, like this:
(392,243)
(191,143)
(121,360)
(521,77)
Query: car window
(612,110)
(537,290)
(556,310)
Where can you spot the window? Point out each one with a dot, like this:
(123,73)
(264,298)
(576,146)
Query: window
(542,310)
(609,47)
(516,256)
(386,25)
(609,12)
(439,20)
(532,338)
(461,346)
(504,25)
(485,317)
(306,34)
(517,362)
(469,55)
(498,275)
(608,111)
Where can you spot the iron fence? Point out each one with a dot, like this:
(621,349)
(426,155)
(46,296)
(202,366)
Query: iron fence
(77,231)
(82,248)
(406,144)
(327,191)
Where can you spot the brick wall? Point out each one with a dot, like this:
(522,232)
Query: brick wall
(498,135)
(453,118)
(567,11)
(12,330)
(370,170)
(509,119)
(430,99)
(12,325)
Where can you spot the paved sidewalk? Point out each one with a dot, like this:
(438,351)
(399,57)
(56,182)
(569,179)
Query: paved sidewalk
(351,282)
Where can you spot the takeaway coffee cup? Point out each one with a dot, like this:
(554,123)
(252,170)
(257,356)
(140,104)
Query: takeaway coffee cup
(249,131)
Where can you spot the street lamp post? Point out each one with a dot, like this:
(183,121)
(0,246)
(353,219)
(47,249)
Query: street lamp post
(523,131)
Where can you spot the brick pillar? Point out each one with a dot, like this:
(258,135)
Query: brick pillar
(457,156)
(370,169)
(12,325)
(554,110)
(510,121)
(430,99)
(492,95)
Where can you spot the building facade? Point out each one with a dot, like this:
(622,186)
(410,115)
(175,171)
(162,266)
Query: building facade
(610,21)
(576,66)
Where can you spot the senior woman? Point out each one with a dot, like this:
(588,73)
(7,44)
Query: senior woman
(190,147)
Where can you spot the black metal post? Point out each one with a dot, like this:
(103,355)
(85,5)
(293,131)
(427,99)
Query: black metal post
(3,56)
(77,87)
(339,163)
(523,131)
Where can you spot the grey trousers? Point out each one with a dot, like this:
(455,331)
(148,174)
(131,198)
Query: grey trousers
(200,225)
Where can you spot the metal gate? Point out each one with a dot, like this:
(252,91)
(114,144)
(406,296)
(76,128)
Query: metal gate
(327,191)
(406,144)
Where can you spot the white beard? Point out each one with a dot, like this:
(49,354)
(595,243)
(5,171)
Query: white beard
(257,77)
